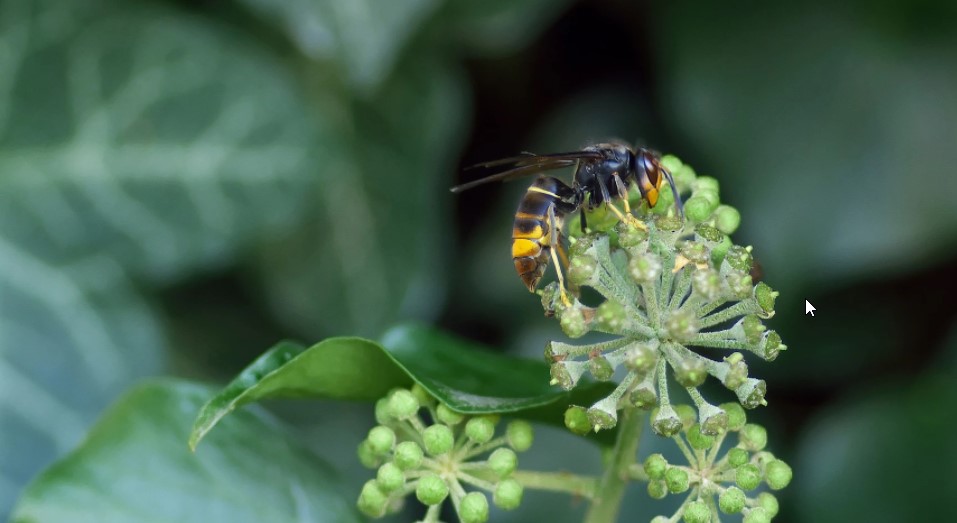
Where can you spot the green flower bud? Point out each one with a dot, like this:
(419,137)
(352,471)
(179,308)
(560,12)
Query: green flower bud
(732,500)
(642,356)
(630,236)
(687,415)
(709,196)
(667,223)
(713,420)
(769,503)
(573,322)
(757,515)
(740,285)
(727,219)
(696,252)
(765,296)
(603,414)
(601,219)
(657,489)
(707,284)
(751,393)
(665,421)
(682,326)
(719,251)
(474,508)
(690,372)
(480,429)
(508,494)
(771,346)
(448,416)
(684,177)
(503,462)
(423,396)
(737,457)
(750,329)
(381,440)
(666,202)
(372,501)
(581,245)
(705,183)
(408,455)
(747,476)
(761,459)
(736,416)
(778,474)
(708,234)
(390,477)
(402,404)
(739,258)
(367,456)
(643,396)
(551,299)
(676,479)
(644,267)
(600,368)
(382,412)
(671,163)
(582,270)
(697,512)
(700,206)
(655,466)
(438,439)
(431,490)
(566,373)
(610,316)
(576,420)
(698,440)
(753,437)
(520,435)
(737,374)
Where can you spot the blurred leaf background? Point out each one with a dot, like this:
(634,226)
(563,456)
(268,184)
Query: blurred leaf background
(183,183)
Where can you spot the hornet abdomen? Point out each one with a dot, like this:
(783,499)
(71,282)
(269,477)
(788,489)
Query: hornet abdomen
(537,227)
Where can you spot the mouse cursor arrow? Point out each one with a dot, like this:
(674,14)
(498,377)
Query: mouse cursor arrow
(808,308)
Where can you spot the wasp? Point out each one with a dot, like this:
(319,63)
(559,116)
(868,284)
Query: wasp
(603,173)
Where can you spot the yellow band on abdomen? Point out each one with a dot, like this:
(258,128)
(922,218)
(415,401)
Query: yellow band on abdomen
(522,247)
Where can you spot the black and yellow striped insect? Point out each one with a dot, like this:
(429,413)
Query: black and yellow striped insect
(603,173)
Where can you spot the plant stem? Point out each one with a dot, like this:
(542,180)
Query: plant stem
(611,488)
(583,486)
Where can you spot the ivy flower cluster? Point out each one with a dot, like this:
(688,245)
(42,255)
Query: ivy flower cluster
(435,458)
(715,482)
(669,284)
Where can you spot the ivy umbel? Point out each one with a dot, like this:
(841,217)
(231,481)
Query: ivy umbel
(669,286)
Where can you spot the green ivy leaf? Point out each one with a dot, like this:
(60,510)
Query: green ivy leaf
(133,466)
(465,376)
(144,135)
(70,341)
(374,248)
(364,38)
(338,368)
(136,144)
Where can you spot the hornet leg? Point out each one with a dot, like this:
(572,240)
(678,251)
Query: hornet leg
(627,218)
(623,191)
(554,242)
